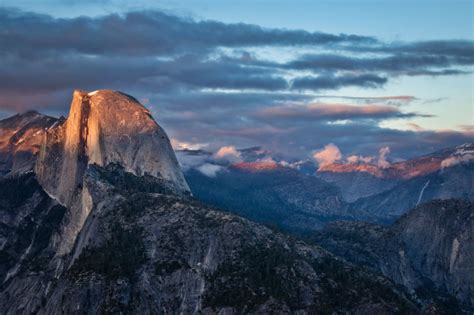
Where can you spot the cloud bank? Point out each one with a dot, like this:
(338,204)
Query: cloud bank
(208,81)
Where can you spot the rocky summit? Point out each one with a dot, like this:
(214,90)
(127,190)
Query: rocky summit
(20,140)
(106,224)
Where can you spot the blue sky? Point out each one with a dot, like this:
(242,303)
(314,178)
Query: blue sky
(404,80)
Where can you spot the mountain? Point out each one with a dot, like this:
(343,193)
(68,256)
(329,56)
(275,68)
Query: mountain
(359,180)
(161,252)
(429,250)
(20,139)
(105,127)
(273,192)
(456,181)
(355,185)
(419,166)
(106,224)
(269,193)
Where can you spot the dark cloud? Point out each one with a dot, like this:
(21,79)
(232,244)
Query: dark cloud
(187,72)
(298,136)
(458,49)
(394,100)
(60,75)
(144,33)
(408,64)
(333,82)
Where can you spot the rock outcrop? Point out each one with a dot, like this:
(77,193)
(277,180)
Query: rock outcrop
(103,127)
(429,250)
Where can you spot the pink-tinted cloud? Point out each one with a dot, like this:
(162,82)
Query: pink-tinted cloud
(328,155)
(329,111)
(228,153)
(355,159)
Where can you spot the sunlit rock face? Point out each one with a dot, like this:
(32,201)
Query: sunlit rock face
(105,127)
(20,139)
(257,166)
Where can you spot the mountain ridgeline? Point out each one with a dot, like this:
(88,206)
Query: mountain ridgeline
(97,218)
(304,199)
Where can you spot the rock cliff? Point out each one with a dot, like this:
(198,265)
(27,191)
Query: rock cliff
(428,250)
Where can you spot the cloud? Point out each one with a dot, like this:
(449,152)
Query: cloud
(408,63)
(382,160)
(355,159)
(329,111)
(183,145)
(210,170)
(143,33)
(332,82)
(395,100)
(415,126)
(228,153)
(172,57)
(455,160)
(331,154)
(464,154)
(189,159)
(209,81)
(328,155)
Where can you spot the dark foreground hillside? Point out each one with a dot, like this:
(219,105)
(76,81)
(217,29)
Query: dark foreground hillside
(157,252)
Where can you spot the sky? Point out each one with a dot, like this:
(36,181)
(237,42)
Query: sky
(290,76)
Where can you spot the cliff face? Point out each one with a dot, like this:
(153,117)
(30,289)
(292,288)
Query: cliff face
(429,249)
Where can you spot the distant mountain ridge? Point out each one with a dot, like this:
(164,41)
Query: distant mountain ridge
(267,193)
(415,167)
